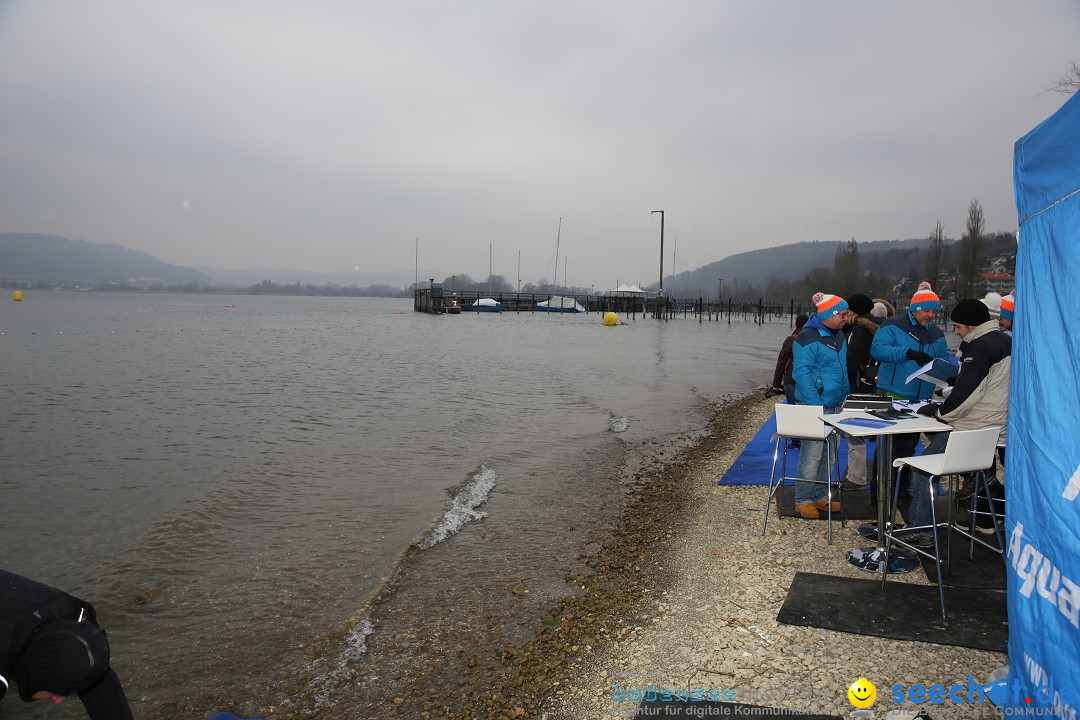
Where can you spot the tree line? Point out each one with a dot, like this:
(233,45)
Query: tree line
(951,267)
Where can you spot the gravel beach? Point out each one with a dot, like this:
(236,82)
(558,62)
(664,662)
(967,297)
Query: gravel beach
(685,595)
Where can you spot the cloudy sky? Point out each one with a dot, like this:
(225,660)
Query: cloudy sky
(330,135)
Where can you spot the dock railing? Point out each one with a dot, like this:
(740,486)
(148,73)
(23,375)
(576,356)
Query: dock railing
(702,309)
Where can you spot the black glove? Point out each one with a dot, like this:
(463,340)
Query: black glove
(929,409)
(918,356)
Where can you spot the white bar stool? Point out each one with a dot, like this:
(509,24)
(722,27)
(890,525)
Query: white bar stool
(803,422)
(965,451)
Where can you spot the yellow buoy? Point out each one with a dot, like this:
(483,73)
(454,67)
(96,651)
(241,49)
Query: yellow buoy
(610,319)
(17,296)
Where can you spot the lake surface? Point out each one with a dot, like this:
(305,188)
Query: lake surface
(232,480)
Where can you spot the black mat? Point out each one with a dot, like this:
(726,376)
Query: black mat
(985,571)
(902,611)
(714,709)
(856,505)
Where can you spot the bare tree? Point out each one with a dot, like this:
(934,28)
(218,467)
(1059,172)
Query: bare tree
(847,267)
(971,249)
(1069,82)
(935,254)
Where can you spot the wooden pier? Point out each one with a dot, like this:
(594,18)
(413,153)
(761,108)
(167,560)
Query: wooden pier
(663,308)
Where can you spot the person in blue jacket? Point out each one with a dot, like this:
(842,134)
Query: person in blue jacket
(819,369)
(902,345)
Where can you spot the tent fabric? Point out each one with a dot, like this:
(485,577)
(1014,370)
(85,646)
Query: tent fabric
(629,289)
(1042,470)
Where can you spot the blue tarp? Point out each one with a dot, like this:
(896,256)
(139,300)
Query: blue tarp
(754,464)
(1042,466)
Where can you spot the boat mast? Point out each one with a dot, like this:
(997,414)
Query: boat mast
(564,278)
(489,269)
(558,236)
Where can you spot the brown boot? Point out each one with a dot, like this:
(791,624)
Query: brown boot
(823,505)
(807,510)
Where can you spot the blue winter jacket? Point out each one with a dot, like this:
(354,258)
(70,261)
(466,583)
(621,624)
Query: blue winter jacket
(893,339)
(819,365)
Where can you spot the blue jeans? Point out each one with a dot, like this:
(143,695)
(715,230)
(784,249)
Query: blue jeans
(789,393)
(919,512)
(814,464)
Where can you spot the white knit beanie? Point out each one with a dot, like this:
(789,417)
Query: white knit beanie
(992,301)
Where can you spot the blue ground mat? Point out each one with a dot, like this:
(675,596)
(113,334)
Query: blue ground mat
(755,463)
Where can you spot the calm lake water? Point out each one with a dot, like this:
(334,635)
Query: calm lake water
(231,480)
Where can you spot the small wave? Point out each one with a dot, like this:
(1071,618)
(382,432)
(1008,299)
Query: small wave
(620,424)
(331,672)
(463,507)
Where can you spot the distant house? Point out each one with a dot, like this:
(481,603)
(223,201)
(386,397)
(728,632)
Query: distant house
(1001,283)
(1002,264)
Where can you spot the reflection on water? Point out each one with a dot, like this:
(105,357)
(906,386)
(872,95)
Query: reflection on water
(257,465)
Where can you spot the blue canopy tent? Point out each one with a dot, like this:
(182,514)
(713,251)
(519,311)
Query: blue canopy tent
(1042,471)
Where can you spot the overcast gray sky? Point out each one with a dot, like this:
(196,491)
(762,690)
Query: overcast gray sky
(330,135)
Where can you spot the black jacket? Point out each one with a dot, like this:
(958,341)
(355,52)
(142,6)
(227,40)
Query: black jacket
(26,604)
(862,367)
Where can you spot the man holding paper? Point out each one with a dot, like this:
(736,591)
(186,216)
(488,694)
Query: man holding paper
(906,342)
(902,345)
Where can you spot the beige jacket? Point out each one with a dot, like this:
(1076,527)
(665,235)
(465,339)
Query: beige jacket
(980,397)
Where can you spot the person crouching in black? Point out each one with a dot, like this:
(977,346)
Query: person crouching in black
(52,647)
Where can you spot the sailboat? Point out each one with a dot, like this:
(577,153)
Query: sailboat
(559,303)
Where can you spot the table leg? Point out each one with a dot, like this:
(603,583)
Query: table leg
(870,558)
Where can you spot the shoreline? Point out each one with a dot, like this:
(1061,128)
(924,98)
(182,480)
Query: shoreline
(685,592)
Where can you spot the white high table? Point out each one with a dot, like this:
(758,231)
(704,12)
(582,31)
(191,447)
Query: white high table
(870,559)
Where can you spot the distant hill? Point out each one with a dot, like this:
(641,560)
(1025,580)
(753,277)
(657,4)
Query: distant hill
(51,258)
(787,263)
(252,276)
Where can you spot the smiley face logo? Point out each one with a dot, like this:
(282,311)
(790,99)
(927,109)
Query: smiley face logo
(862,693)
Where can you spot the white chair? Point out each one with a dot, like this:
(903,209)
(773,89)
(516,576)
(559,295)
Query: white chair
(802,422)
(965,451)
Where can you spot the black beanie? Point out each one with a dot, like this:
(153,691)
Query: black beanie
(63,657)
(970,312)
(860,304)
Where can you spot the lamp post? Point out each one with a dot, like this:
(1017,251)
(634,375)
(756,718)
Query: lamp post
(661,248)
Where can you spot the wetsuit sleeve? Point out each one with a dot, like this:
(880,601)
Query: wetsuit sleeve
(106,700)
(782,361)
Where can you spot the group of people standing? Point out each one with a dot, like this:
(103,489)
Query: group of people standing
(861,346)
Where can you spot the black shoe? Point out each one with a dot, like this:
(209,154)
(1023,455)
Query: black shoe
(794,444)
(848,486)
(920,540)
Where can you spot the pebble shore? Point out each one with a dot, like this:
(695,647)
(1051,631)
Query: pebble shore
(686,596)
